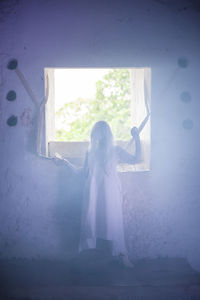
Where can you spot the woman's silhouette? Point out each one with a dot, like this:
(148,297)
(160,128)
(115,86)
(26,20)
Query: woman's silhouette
(102,216)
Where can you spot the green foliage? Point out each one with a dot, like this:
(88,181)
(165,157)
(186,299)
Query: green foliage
(111,103)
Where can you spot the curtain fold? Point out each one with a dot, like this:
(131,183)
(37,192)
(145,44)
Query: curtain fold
(140,109)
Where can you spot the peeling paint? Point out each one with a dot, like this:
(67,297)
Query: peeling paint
(25,117)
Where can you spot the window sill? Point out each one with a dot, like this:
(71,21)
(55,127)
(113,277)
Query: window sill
(75,153)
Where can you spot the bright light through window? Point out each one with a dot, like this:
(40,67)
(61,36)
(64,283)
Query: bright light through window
(85,96)
(78,98)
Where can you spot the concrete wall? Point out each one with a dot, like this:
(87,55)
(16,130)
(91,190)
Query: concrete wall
(39,201)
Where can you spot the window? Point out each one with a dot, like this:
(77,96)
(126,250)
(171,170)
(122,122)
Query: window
(80,97)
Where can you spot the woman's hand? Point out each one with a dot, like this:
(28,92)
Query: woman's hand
(57,155)
(134,132)
(58,161)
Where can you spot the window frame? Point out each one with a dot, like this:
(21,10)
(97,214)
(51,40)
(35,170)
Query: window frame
(74,151)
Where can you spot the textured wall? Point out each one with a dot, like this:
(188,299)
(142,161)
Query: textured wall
(39,201)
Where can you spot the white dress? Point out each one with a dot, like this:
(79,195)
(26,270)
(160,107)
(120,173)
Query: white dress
(102,213)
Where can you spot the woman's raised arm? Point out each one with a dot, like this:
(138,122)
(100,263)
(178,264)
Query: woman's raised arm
(126,157)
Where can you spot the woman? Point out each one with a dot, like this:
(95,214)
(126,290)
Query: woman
(102,215)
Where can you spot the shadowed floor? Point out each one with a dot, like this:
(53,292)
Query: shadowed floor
(93,276)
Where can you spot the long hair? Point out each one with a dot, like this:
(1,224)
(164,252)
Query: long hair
(101,145)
